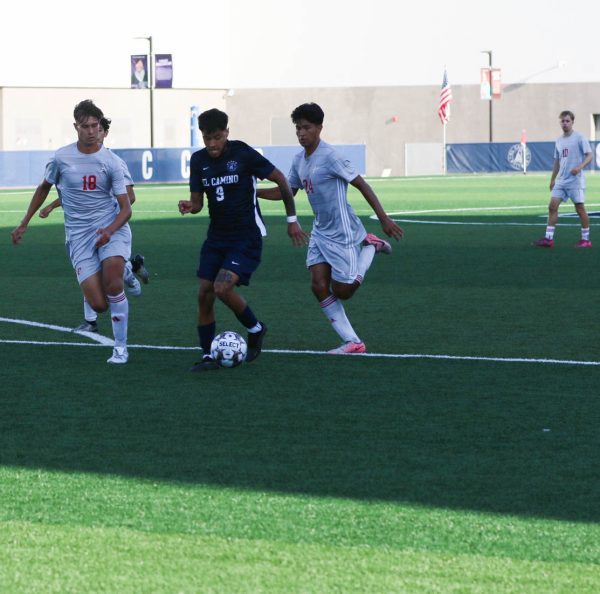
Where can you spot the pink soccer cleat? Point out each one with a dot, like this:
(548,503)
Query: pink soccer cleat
(349,348)
(380,244)
(544,242)
(584,243)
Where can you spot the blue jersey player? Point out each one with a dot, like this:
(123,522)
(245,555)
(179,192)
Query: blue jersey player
(226,172)
(572,152)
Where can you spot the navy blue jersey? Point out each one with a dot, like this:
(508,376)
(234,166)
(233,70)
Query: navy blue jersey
(229,182)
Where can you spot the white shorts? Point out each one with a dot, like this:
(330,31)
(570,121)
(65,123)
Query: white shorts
(577,195)
(343,260)
(87,259)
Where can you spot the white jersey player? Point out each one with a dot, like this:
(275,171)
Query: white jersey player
(134,266)
(92,190)
(340,250)
(572,152)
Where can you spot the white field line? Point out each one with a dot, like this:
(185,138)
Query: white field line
(418,222)
(106,341)
(92,335)
(474,209)
(408,179)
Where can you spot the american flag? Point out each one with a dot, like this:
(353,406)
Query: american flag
(445,98)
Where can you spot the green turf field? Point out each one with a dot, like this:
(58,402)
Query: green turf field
(461,454)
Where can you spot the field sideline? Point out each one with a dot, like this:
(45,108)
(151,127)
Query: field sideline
(458,455)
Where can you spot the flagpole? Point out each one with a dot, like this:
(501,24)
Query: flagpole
(444,150)
(444,114)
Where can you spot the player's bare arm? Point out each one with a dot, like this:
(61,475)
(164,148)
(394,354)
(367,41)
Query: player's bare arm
(40,194)
(584,163)
(104,234)
(193,205)
(270,193)
(49,208)
(295,232)
(390,228)
(555,170)
(130,194)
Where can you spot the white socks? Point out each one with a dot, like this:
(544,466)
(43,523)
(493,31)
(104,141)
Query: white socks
(89,314)
(334,310)
(365,259)
(119,314)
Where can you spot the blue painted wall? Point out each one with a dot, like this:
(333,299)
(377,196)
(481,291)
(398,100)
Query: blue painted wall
(505,157)
(26,168)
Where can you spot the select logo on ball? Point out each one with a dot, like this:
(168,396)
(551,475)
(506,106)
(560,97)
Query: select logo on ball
(228,349)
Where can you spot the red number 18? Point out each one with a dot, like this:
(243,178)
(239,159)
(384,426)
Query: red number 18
(89,182)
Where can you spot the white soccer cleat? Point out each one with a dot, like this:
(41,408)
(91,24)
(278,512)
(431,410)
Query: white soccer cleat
(133,287)
(349,348)
(119,356)
(86,326)
(132,284)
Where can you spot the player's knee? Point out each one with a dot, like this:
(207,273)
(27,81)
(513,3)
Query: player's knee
(319,288)
(114,286)
(343,292)
(222,290)
(98,305)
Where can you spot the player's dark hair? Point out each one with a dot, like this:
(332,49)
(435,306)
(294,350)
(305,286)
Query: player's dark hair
(87,109)
(105,123)
(212,120)
(310,112)
(564,114)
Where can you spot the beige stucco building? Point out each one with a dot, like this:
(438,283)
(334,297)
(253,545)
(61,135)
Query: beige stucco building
(386,119)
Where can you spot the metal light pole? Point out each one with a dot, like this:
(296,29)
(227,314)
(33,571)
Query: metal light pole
(489,53)
(150,88)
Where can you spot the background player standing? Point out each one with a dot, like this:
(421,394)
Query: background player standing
(340,250)
(572,152)
(226,171)
(91,185)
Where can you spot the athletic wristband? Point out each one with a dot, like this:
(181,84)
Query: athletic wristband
(292,219)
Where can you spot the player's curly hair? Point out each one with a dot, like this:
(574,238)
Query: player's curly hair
(310,112)
(105,123)
(212,120)
(87,109)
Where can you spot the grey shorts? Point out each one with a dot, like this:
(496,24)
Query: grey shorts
(87,259)
(343,260)
(577,195)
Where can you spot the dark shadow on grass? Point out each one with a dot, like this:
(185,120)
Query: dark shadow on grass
(515,439)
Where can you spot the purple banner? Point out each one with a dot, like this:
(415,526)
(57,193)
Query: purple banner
(139,72)
(163,69)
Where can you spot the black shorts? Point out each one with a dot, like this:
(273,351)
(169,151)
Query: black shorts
(239,255)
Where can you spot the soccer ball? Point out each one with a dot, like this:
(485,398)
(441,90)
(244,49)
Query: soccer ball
(228,349)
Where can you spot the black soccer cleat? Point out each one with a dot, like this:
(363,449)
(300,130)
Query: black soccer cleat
(207,364)
(255,341)
(137,264)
